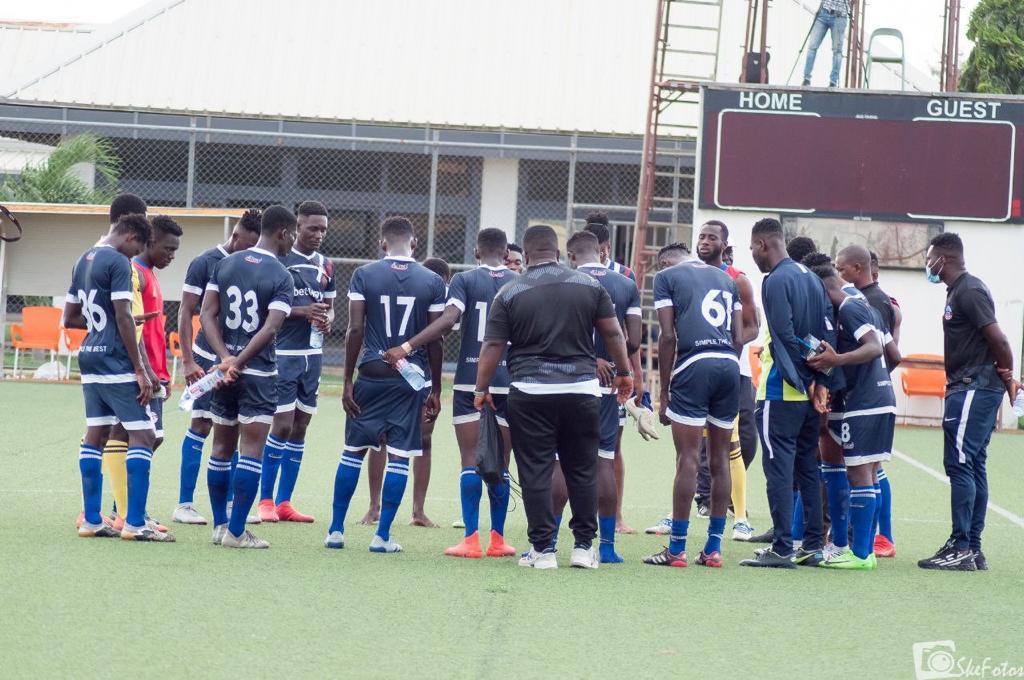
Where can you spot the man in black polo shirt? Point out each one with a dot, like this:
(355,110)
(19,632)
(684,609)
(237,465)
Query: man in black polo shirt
(979,368)
(547,317)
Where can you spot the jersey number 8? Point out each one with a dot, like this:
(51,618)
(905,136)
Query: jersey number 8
(234,320)
(95,317)
(714,312)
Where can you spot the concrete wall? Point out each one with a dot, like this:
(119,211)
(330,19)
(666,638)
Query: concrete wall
(499,195)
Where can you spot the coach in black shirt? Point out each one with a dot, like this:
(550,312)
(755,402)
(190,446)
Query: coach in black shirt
(979,369)
(547,318)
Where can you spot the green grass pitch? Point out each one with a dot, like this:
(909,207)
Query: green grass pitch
(103,608)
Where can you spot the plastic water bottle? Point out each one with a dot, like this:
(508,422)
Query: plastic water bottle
(1018,404)
(412,374)
(813,346)
(198,389)
(316,338)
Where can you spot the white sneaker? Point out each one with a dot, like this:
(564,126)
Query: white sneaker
(246,540)
(742,531)
(458,524)
(797,544)
(662,528)
(218,533)
(538,560)
(379,545)
(335,540)
(250,519)
(584,558)
(145,533)
(186,513)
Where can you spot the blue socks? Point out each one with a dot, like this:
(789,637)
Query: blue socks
(716,528)
(246,483)
(838,488)
(884,511)
(498,495)
(273,450)
(606,527)
(218,479)
(345,481)
(862,514)
(471,488)
(191,458)
(395,476)
(677,540)
(289,470)
(137,464)
(798,517)
(231,487)
(90,464)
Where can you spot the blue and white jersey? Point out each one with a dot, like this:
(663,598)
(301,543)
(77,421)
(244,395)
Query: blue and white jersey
(704,299)
(620,268)
(625,298)
(399,293)
(472,292)
(868,386)
(200,271)
(102,276)
(250,283)
(314,282)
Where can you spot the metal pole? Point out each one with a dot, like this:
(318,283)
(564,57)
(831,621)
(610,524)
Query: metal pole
(432,209)
(570,194)
(190,182)
(764,42)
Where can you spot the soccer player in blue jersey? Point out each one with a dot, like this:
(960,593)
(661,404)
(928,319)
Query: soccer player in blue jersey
(299,358)
(700,316)
(115,380)
(863,418)
(390,301)
(245,304)
(197,358)
(470,295)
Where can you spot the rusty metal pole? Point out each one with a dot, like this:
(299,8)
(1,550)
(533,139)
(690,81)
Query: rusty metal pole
(764,42)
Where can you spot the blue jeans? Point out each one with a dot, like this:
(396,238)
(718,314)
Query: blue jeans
(823,23)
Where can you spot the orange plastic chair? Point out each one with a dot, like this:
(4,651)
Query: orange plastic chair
(39,329)
(923,381)
(755,365)
(174,345)
(73,339)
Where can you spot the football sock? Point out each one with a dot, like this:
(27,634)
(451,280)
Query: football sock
(395,477)
(878,506)
(498,496)
(716,527)
(677,540)
(137,463)
(91,466)
(862,512)
(738,473)
(798,517)
(885,505)
(606,527)
(345,481)
(231,486)
(246,483)
(114,455)
(837,486)
(273,450)
(191,458)
(218,480)
(290,465)
(470,490)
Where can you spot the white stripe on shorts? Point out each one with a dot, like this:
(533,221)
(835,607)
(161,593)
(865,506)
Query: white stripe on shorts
(965,414)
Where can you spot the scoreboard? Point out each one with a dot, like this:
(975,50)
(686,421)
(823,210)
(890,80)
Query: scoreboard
(861,154)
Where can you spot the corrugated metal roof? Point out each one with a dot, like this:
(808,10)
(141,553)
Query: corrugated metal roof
(573,65)
(26,47)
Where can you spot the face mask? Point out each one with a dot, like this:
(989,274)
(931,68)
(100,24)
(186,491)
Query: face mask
(933,277)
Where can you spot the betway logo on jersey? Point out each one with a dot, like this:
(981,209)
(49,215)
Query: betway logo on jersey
(253,259)
(308,292)
(399,266)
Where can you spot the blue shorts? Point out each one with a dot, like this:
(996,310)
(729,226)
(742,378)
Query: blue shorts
(463,411)
(611,419)
(865,435)
(390,410)
(298,382)
(250,399)
(110,403)
(201,406)
(706,391)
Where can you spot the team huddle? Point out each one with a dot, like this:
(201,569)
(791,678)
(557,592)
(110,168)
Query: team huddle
(825,408)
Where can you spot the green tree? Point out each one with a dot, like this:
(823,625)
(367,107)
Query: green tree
(52,181)
(996,64)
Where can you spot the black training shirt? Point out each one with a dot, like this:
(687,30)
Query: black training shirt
(969,361)
(548,316)
(881,301)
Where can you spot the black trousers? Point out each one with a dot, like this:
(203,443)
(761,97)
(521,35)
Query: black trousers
(748,442)
(541,426)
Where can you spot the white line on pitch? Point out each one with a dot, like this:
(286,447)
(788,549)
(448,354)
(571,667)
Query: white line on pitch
(998,509)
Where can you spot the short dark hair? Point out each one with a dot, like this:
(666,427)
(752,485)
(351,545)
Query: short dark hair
(597,224)
(582,240)
(540,237)
(597,218)
(682,247)
(396,227)
(439,267)
(251,220)
(126,204)
(948,241)
(516,248)
(307,208)
(768,226)
(720,225)
(134,223)
(820,264)
(800,247)
(874,257)
(492,241)
(275,217)
(163,225)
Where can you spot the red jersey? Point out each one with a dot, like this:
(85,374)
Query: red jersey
(731,271)
(153,336)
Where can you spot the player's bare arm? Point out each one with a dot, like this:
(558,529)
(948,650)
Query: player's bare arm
(126,330)
(615,342)
(893,357)
(436,330)
(353,344)
(264,336)
(209,315)
(739,330)
(1000,346)
(751,319)
(869,350)
(186,310)
(73,317)
(490,355)
(432,407)
(666,359)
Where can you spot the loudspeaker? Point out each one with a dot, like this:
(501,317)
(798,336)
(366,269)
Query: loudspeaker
(752,67)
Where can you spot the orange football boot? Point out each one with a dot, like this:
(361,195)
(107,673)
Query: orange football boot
(469,547)
(884,547)
(286,513)
(498,546)
(268,513)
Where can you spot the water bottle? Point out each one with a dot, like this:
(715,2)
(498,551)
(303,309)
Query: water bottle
(316,338)
(412,373)
(1018,404)
(813,346)
(198,389)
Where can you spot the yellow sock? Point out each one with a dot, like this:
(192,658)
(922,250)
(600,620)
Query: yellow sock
(114,454)
(738,472)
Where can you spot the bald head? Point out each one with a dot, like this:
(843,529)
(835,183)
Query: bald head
(540,243)
(854,266)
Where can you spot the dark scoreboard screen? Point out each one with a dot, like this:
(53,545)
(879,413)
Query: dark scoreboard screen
(862,154)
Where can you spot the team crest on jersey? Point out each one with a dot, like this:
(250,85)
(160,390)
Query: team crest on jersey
(399,266)
(497,275)
(90,256)
(948,315)
(598,272)
(253,259)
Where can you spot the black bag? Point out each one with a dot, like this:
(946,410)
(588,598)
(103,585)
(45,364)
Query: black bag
(490,449)
(752,67)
